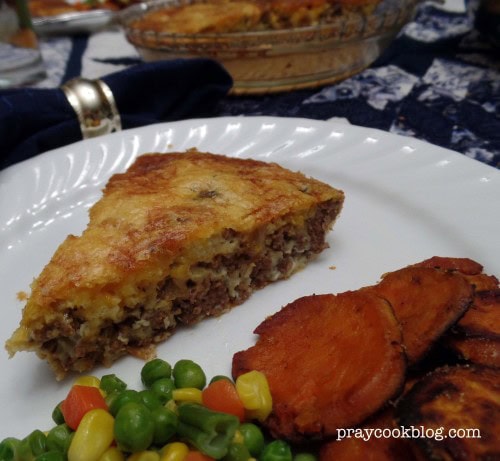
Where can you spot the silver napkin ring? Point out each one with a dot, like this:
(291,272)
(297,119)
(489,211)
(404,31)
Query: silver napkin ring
(94,105)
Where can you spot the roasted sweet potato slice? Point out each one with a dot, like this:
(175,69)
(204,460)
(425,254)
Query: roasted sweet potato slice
(427,302)
(466,266)
(483,318)
(378,438)
(476,337)
(458,412)
(331,361)
(470,269)
(373,441)
(481,351)
(482,282)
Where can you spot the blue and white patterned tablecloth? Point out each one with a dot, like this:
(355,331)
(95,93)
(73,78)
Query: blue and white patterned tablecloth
(439,81)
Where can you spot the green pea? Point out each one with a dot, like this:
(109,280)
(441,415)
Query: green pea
(127,396)
(189,374)
(134,427)
(57,414)
(253,438)
(304,457)
(165,422)
(37,442)
(237,452)
(163,388)
(155,369)
(59,438)
(219,377)
(111,383)
(277,450)
(51,456)
(150,399)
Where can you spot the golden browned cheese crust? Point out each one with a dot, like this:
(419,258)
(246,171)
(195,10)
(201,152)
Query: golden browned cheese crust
(202,18)
(227,16)
(173,230)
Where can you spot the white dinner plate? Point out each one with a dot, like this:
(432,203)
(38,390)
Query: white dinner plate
(405,201)
(74,23)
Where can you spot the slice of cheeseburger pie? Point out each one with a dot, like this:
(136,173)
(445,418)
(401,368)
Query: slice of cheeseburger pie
(176,238)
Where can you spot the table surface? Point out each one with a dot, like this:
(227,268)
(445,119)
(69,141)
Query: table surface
(439,81)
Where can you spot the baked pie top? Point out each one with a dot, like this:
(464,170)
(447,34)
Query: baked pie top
(226,16)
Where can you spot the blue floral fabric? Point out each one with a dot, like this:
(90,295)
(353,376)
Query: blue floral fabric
(439,81)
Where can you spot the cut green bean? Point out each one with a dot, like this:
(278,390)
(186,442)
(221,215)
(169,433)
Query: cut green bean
(165,422)
(51,456)
(59,438)
(37,442)
(209,431)
(57,415)
(9,449)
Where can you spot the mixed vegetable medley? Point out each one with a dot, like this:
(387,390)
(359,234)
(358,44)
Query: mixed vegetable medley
(177,416)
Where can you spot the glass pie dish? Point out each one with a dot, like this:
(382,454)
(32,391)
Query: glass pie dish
(264,60)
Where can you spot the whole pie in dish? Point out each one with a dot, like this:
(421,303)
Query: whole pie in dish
(269,45)
(176,238)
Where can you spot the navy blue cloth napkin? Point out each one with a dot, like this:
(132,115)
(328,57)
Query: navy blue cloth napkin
(33,121)
(438,81)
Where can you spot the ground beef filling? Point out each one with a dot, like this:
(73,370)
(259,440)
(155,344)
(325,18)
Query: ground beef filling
(220,284)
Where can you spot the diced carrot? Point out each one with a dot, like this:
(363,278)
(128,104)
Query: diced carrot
(221,396)
(194,455)
(79,401)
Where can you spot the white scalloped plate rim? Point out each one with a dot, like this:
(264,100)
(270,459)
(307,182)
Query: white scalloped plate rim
(406,200)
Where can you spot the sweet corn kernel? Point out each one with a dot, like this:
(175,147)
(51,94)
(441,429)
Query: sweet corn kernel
(187,394)
(93,436)
(87,380)
(146,455)
(253,390)
(112,454)
(175,451)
